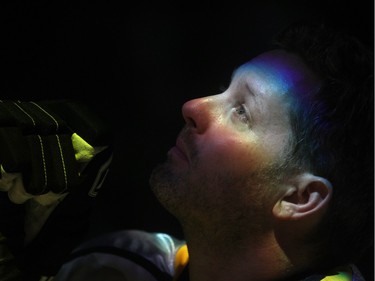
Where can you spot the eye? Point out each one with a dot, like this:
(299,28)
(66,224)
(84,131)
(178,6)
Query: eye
(242,113)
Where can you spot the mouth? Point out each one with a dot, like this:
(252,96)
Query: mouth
(179,150)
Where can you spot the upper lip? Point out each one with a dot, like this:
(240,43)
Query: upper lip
(180,145)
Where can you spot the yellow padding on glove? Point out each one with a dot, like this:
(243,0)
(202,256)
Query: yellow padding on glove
(342,274)
(83,151)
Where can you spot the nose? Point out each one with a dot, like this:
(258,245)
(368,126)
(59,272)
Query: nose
(198,113)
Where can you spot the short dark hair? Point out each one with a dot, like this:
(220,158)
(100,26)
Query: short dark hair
(333,135)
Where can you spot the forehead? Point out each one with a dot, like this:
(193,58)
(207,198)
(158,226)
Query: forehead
(280,72)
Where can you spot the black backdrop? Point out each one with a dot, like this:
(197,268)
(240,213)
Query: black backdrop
(136,64)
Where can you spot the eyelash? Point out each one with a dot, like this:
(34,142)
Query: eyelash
(242,113)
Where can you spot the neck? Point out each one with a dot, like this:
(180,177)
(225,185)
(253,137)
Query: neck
(214,256)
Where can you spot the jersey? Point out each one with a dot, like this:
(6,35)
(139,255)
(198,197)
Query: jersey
(143,256)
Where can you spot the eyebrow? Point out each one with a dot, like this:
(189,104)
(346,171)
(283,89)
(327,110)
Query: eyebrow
(242,77)
(249,89)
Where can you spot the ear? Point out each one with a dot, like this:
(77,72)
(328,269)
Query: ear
(306,195)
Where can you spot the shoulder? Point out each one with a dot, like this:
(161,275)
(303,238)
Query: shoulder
(124,255)
(342,273)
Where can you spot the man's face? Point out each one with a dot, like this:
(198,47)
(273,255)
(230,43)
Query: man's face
(225,163)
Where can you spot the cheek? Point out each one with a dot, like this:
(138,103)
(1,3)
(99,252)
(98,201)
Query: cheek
(231,152)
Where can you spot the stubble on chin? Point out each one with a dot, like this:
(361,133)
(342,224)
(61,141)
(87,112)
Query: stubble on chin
(163,183)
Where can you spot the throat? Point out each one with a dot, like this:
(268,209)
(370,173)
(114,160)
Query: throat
(253,259)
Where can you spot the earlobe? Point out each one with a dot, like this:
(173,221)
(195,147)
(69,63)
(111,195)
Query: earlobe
(307,195)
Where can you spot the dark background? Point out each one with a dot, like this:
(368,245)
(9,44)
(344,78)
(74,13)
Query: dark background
(135,64)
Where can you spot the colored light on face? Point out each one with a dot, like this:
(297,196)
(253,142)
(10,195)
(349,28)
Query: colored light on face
(234,143)
(283,73)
